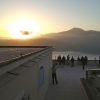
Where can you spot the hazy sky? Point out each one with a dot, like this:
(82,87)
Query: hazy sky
(51,15)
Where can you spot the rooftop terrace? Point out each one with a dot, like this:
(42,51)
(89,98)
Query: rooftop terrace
(69,84)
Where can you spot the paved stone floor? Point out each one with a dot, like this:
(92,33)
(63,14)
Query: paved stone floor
(69,86)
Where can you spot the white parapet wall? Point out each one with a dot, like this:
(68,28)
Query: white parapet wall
(27,78)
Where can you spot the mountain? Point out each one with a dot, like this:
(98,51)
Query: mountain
(75,39)
(75,30)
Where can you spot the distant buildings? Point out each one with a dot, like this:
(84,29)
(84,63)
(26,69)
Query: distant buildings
(26,77)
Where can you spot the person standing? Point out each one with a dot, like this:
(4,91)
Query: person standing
(83,62)
(68,59)
(72,61)
(86,60)
(54,75)
(59,60)
(78,60)
(63,60)
(99,61)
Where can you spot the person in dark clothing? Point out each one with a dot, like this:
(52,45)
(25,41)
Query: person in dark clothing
(99,61)
(68,59)
(83,62)
(78,60)
(63,60)
(86,60)
(72,61)
(54,75)
(59,60)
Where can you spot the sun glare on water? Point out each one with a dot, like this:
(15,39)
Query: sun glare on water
(24,29)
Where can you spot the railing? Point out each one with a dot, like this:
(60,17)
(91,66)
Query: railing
(92,72)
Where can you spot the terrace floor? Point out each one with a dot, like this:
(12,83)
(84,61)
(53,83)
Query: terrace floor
(69,86)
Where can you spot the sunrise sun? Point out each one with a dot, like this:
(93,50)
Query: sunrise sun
(24,29)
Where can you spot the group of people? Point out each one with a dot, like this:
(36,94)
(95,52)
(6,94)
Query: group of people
(83,61)
(71,60)
(63,60)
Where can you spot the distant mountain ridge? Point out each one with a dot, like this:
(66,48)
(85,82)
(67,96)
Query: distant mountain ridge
(76,30)
(75,39)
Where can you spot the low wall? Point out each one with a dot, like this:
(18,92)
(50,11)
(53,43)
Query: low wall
(22,78)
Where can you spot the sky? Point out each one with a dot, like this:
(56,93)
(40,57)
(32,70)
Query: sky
(51,15)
